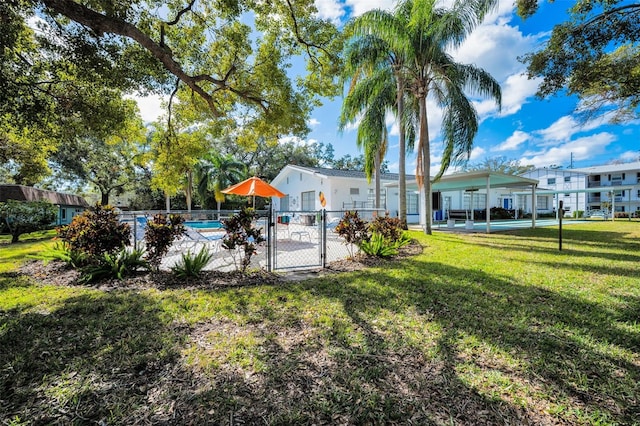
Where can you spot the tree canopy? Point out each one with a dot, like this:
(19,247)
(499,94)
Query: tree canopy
(594,55)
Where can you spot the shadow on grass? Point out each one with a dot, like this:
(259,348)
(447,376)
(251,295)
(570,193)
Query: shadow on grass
(90,360)
(119,357)
(567,345)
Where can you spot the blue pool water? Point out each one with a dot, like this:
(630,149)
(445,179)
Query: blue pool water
(204,224)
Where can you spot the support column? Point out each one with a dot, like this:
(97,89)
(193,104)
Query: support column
(487,204)
(534,205)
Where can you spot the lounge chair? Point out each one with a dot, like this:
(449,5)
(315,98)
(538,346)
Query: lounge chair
(192,237)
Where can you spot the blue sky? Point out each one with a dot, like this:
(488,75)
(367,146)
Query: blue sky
(539,132)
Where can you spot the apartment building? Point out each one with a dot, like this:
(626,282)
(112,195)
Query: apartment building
(607,187)
(613,185)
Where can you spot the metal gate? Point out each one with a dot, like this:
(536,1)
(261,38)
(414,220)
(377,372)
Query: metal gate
(298,239)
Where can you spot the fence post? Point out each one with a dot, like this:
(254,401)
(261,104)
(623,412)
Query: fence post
(323,240)
(270,250)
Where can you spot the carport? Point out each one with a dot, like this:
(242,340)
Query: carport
(474,181)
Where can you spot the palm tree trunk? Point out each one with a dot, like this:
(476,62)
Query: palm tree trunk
(188,189)
(377,164)
(426,162)
(402,170)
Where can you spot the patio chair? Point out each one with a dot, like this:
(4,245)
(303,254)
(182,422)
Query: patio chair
(192,237)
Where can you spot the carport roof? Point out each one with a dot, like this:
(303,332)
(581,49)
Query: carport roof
(477,180)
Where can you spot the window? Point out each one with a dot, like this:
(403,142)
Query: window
(638,194)
(63,213)
(479,201)
(551,181)
(354,191)
(542,202)
(284,203)
(371,198)
(308,201)
(567,178)
(412,203)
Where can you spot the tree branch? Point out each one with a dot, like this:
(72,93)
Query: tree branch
(181,12)
(105,24)
(605,15)
(301,40)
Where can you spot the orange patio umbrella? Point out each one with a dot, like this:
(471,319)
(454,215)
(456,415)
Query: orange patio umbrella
(254,186)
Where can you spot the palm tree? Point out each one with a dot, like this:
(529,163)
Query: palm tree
(378,54)
(432,72)
(371,94)
(214,173)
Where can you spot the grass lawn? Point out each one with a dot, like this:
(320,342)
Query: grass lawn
(479,329)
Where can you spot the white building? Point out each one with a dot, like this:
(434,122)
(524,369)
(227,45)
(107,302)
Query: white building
(617,185)
(608,187)
(340,189)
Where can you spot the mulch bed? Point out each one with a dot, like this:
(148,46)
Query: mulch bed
(57,273)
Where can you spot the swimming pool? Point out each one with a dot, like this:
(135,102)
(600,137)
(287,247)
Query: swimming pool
(204,224)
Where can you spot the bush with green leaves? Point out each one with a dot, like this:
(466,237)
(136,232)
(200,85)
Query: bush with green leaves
(389,227)
(381,246)
(22,217)
(115,266)
(242,237)
(353,229)
(192,265)
(95,232)
(378,246)
(160,234)
(61,251)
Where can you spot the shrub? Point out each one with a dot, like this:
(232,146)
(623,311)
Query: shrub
(160,233)
(62,251)
(116,266)
(500,213)
(96,232)
(378,246)
(353,229)
(578,214)
(22,217)
(388,227)
(191,265)
(241,234)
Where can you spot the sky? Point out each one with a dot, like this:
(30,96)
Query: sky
(538,132)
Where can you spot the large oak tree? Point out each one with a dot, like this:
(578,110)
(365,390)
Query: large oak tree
(594,55)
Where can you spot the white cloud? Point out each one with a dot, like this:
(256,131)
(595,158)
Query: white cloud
(313,122)
(564,128)
(150,107)
(358,7)
(513,142)
(630,156)
(477,153)
(496,48)
(296,140)
(330,9)
(515,92)
(584,148)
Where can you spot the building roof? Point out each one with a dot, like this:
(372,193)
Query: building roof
(611,168)
(469,181)
(353,174)
(29,193)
